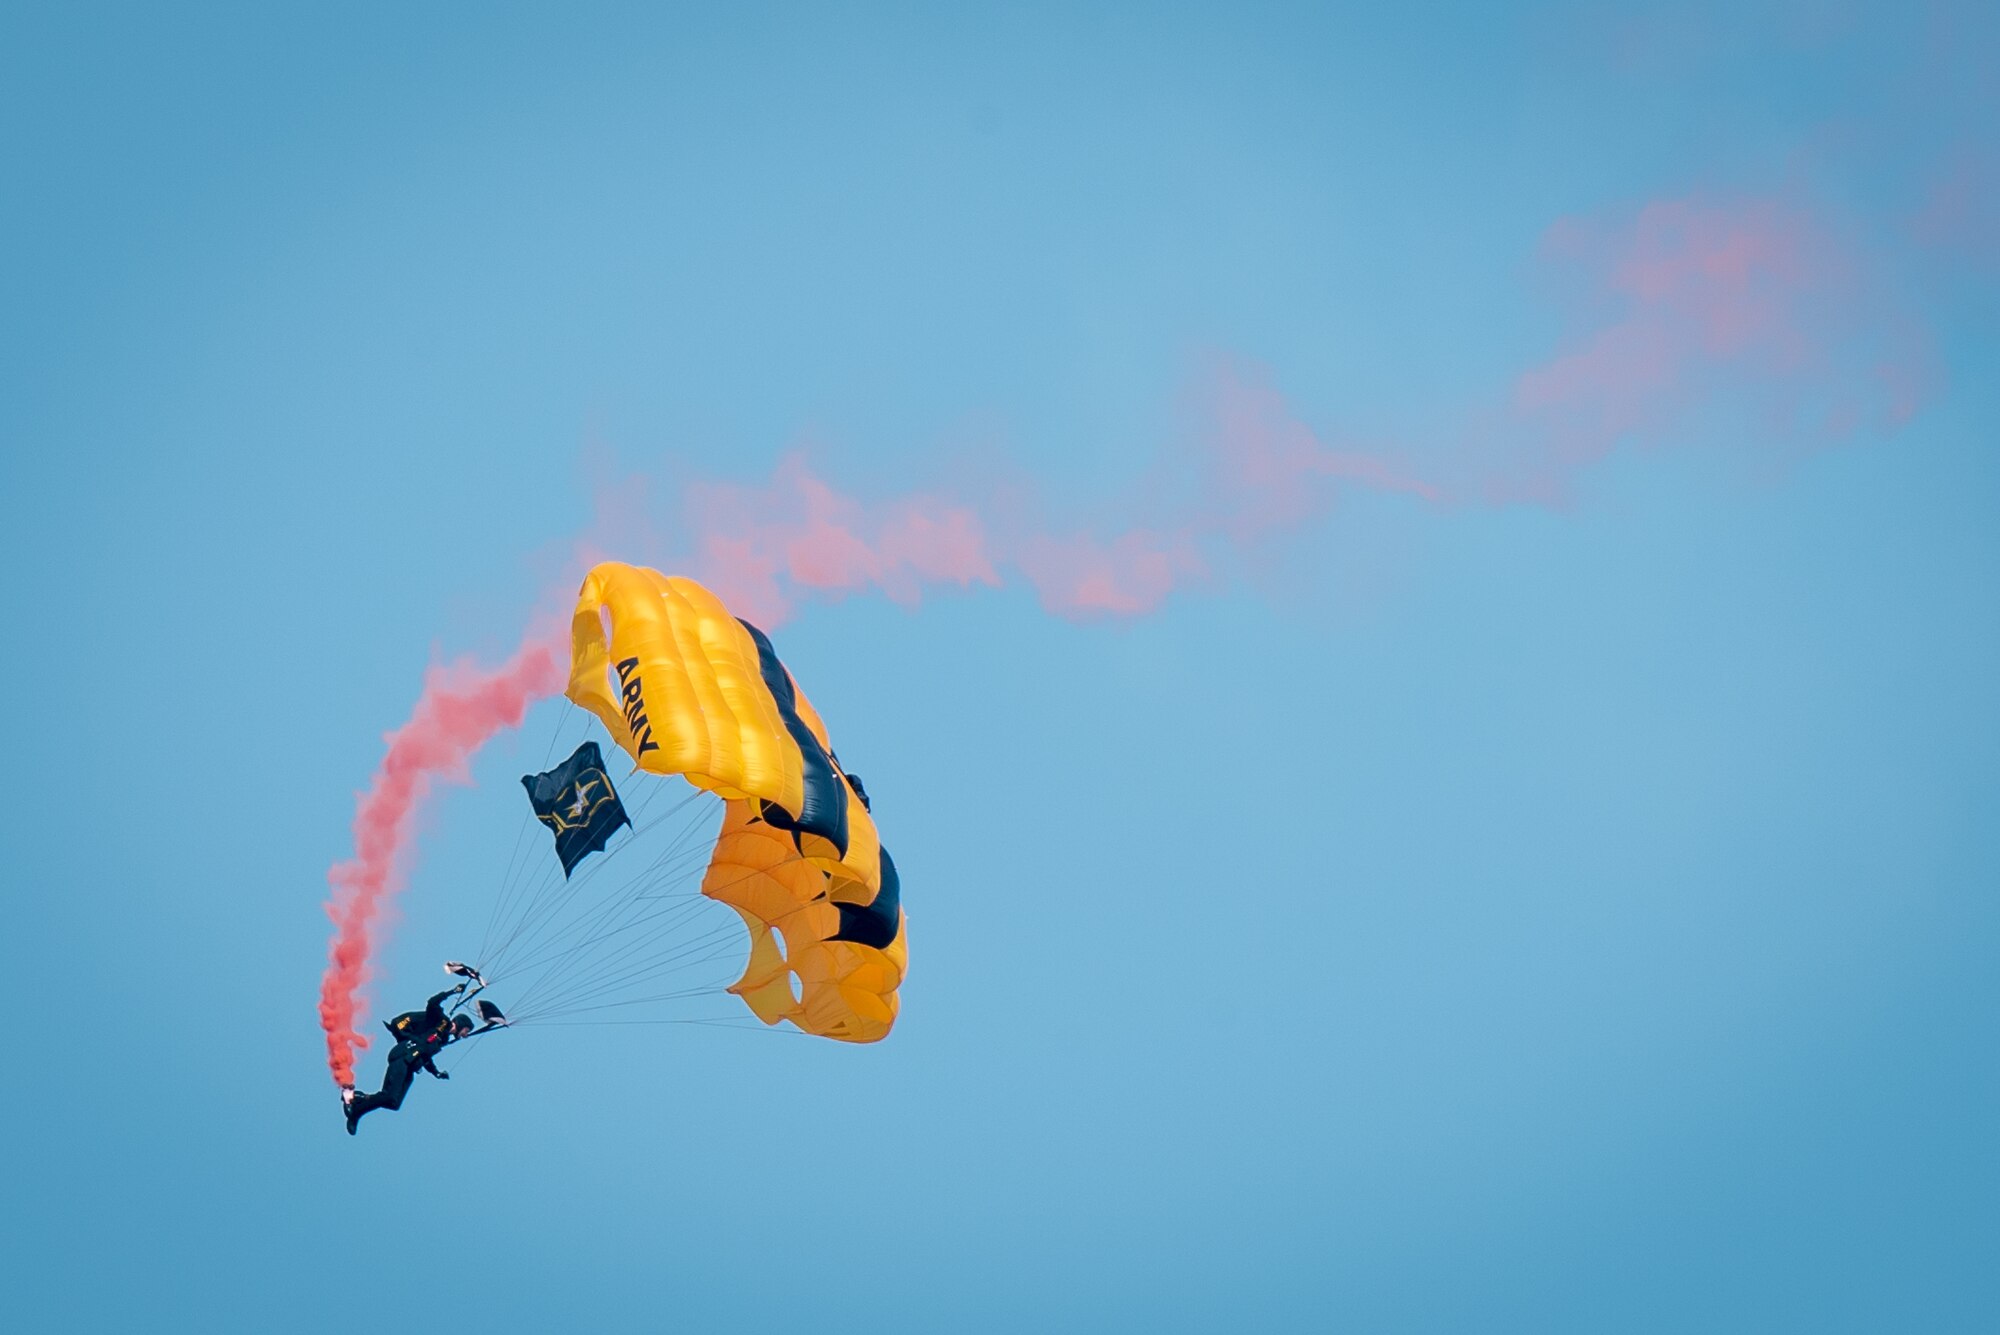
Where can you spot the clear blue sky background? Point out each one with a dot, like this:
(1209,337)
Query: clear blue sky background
(1531,920)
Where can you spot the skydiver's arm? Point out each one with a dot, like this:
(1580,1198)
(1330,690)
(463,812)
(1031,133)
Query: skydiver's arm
(434,1008)
(431,1066)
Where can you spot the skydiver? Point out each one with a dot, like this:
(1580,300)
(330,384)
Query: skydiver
(420,1036)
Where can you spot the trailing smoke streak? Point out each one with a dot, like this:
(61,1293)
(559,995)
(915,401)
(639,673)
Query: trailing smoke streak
(1255,473)
(462,705)
(1750,308)
(1754,306)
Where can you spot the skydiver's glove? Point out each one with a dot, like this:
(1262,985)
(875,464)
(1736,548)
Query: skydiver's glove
(442,1075)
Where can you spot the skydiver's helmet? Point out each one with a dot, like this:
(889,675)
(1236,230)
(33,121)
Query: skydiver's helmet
(461,1025)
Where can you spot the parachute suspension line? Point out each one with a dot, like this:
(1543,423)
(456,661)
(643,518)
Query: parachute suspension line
(676,904)
(706,948)
(509,886)
(676,910)
(533,905)
(631,935)
(627,966)
(643,919)
(675,995)
(545,906)
(673,915)
(710,951)
(741,1023)
(609,856)
(671,866)
(579,964)
(539,876)
(562,987)
(501,896)
(468,1046)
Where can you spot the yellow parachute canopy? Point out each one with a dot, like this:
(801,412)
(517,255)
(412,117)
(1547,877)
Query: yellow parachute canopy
(688,689)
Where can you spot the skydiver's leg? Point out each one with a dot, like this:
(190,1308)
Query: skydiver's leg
(395,1084)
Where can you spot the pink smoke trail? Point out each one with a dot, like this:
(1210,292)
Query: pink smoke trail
(462,705)
(1253,472)
(1755,306)
(1756,312)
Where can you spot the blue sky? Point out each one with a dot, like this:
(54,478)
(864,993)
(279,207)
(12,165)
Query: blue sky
(1555,913)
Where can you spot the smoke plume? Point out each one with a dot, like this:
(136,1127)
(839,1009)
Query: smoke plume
(462,705)
(1751,319)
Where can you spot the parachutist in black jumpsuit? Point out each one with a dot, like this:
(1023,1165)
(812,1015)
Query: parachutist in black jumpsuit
(420,1036)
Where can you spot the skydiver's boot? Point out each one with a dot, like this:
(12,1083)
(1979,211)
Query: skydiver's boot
(347,1106)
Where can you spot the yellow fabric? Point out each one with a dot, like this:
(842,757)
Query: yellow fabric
(678,683)
(845,990)
(695,702)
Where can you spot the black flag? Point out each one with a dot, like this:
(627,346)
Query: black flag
(577,802)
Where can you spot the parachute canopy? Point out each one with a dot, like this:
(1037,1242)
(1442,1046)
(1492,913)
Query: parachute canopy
(689,690)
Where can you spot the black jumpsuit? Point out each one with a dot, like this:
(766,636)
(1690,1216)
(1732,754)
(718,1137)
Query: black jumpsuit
(420,1036)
